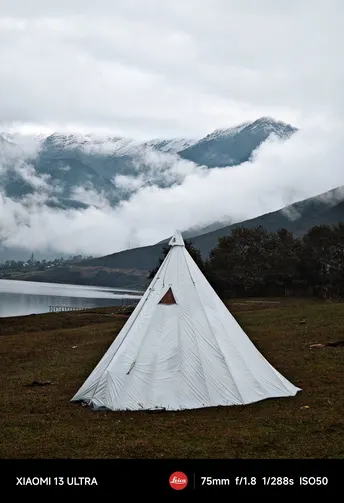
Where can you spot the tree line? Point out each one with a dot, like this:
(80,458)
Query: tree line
(40,265)
(254,262)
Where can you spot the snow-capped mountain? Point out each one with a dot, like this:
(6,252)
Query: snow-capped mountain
(263,125)
(95,144)
(170,146)
(72,170)
(233,146)
(224,133)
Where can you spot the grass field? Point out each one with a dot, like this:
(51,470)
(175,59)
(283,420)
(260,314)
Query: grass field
(40,422)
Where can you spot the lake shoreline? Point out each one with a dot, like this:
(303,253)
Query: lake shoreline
(116,289)
(20,298)
(98,276)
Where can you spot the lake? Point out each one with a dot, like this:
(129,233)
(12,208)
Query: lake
(19,298)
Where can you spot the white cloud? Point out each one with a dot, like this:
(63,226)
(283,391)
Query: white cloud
(129,183)
(144,71)
(16,158)
(281,173)
(140,70)
(90,197)
(28,174)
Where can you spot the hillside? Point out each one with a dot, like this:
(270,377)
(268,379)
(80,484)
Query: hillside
(327,208)
(80,275)
(130,268)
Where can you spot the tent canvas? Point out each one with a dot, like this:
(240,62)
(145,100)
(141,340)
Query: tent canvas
(181,348)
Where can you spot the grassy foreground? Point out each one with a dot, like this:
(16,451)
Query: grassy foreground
(40,422)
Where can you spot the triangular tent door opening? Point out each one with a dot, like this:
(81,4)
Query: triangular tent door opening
(168,298)
(191,355)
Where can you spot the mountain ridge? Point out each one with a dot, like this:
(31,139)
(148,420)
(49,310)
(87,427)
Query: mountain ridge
(72,171)
(130,268)
(325,208)
(233,146)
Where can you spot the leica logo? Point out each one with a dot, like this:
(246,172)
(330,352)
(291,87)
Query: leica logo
(178,480)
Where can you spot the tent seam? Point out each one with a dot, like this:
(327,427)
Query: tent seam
(217,342)
(128,330)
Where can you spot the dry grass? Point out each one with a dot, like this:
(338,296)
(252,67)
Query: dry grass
(40,422)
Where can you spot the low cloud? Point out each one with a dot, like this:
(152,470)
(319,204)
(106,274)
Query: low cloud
(154,168)
(281,173)
(28,173)
(90,197)
(130,184)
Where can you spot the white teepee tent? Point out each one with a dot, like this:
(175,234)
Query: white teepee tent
(181,349)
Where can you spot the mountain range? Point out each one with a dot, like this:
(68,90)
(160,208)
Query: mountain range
(59,165)
(70,171)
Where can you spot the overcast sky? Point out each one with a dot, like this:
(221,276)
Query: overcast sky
(180,68)
(148,69)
